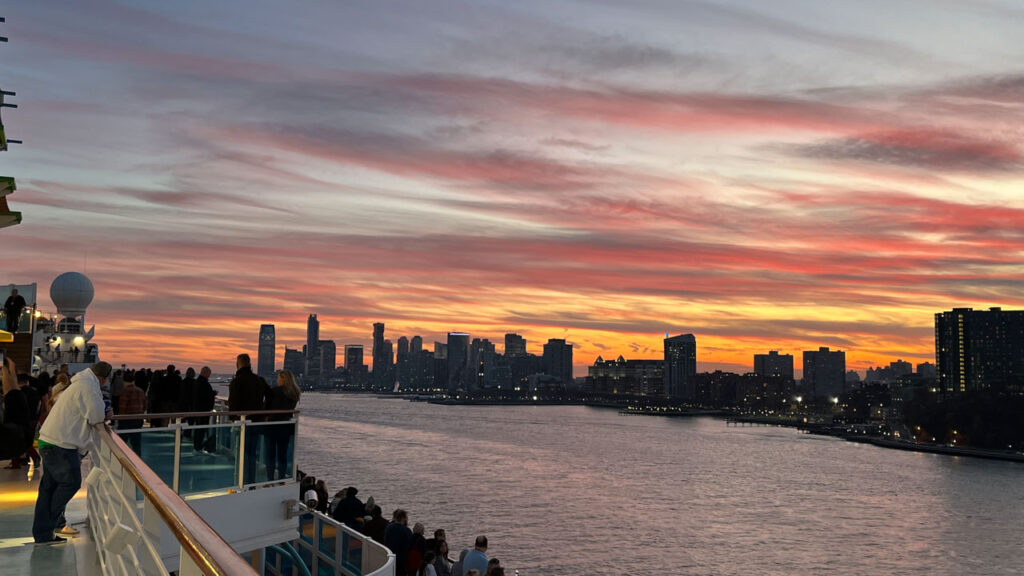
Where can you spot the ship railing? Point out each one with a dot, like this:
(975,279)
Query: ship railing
(123,543)
(326,546)
(214,451)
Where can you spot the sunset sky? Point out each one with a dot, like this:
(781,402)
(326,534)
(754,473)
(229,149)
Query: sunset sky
(766,175)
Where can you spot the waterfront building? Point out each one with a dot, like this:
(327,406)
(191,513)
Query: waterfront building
(515,346)
(387,368)
(977,349)
(379,376)
(353,356)
(521,368)
(557,360)
(680,366)
(403,364)
(424,370)
(482,355)
(328,352)
(266,351)
(416,362)
(460,374)
(312,371)
(824,371)
(294,361)
(629,377)
(773,364)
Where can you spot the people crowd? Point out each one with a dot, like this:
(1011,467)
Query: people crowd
(415,555)
(53,414)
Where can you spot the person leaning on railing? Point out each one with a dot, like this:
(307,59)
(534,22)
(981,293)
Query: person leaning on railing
(66,435)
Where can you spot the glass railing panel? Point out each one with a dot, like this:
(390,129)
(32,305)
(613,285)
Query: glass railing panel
(205,463)
(156,448)
(269,451)
(306,528)
(328,539)
(352,553)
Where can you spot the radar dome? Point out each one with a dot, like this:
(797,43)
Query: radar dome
(71,293)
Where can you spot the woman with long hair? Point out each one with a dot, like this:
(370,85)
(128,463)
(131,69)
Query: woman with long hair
(285,396)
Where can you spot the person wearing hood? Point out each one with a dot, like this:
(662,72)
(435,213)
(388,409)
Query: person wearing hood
(66,435)
(351,509)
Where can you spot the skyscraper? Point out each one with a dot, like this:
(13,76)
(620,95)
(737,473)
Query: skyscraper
(976,349)
(515,346)
(557,360)
(353,356)
(773,364)
(680,366)
(379,369)
(403,363)
(416,360)
(328,357)
(266,351)
(824,371)
(460,375)
(294,362)
(312,372)
(482,353)
(387,359)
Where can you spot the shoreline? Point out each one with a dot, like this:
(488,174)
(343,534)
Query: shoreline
(729,417)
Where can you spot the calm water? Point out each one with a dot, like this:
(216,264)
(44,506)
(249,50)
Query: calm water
(574,490)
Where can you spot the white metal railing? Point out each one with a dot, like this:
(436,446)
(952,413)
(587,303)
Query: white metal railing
(120,532)
(325,544)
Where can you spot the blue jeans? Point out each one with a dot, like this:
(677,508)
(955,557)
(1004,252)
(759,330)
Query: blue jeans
(62,477)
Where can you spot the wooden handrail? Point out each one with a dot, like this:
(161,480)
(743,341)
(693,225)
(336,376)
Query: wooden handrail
(173,415)
(212,555)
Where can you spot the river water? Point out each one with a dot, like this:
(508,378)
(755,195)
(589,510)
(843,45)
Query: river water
(575,490)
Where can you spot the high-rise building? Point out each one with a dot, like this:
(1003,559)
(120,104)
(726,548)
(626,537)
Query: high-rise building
(557,360)
(926,370)
(387,358)
(460,374)
(630,377)
(328,357)
(416,359)
(481,358)
(901,368)
(515,346)
(294,362)
(824,371)
(978,349)
(680,366)
(403,363)
(379,364)
(773,364)
(353,356)
(266,351)
(312,371)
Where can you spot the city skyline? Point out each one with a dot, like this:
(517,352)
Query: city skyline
(765,178)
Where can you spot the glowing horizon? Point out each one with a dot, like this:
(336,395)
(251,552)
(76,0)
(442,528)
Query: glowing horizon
(784,179)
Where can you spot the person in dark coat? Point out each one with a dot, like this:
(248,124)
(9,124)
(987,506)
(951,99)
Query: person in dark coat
(377,525)
(203,399)
(249,393)
(186,401)
(351,509)
(398,539)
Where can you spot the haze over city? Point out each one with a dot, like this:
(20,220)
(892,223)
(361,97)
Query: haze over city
(779,176)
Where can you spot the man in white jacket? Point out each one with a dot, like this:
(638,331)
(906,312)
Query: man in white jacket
(66,435)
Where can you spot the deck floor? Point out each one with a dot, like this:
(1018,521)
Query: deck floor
(18,553)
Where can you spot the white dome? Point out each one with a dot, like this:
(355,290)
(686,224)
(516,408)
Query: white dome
(71,293)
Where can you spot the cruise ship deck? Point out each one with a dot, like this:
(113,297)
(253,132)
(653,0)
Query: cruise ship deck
(196,494)
(18,489)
